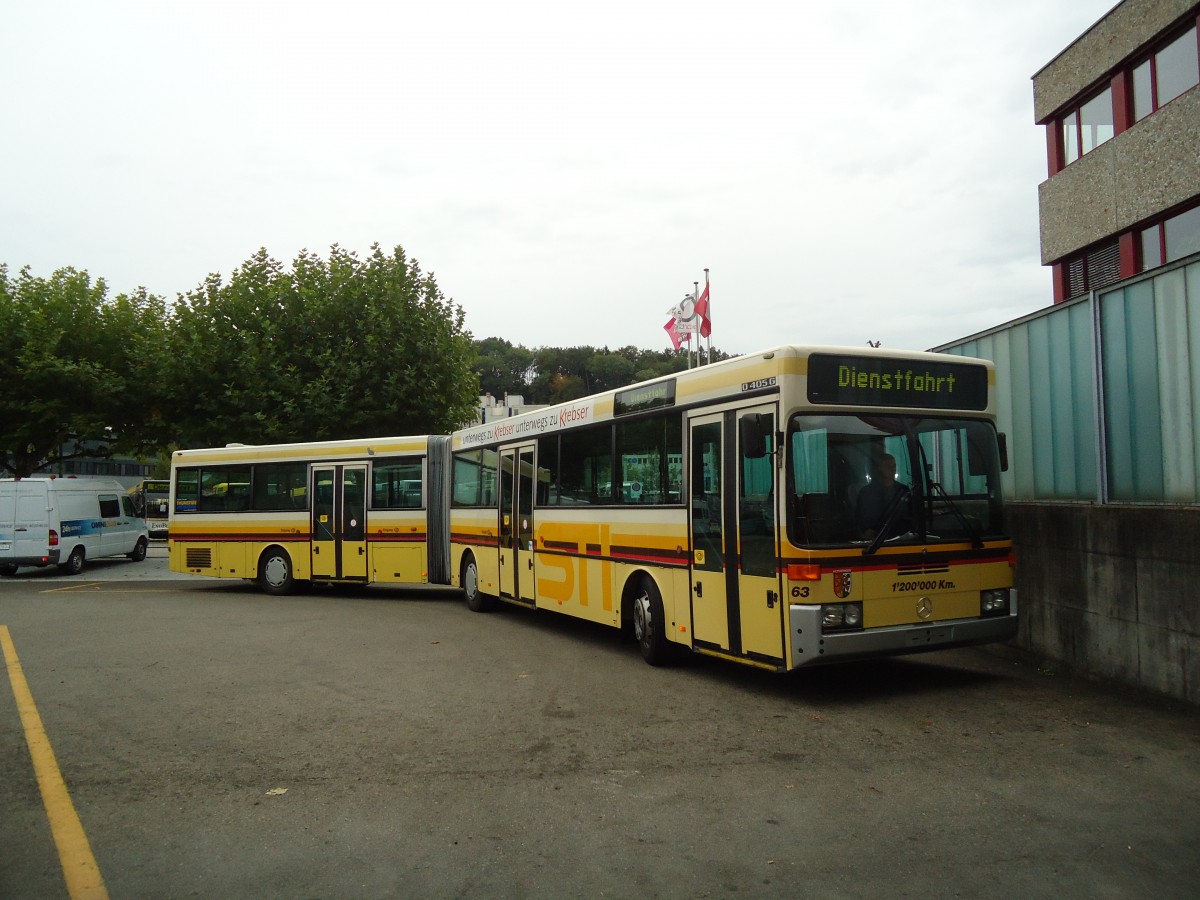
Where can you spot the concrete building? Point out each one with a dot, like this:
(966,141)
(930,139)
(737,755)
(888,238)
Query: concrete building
(1100,391)
(1122,118)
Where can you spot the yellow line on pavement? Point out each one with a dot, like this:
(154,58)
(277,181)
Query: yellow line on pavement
(74,852)
(72,587)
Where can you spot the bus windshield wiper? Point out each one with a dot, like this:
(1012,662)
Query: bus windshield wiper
(897,503)
(938,491)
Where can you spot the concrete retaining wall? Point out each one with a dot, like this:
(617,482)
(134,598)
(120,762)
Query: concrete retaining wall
(1112,592)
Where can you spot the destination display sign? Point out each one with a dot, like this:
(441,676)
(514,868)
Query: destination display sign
(880,381)
(649,396)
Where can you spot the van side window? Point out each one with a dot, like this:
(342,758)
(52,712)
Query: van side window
(127,505)
(110,507)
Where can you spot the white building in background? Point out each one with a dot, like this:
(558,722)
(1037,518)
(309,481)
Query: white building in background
(490,408)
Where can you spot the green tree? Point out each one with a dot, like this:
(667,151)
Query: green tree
(330,349)
(81,372)
(503,368)
(608,371)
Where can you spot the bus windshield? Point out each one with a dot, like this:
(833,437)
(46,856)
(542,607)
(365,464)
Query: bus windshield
(876,480)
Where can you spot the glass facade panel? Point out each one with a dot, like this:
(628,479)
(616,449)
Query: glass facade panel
(1176,67)
(1178,351)
(1131,394)
(1046,403)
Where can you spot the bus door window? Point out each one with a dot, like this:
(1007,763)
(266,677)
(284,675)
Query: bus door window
(756,513)
(339,524)
(354,504)
(758,591)
(526,485)
(508,537)
(322,504)
(710,582)
(516,523)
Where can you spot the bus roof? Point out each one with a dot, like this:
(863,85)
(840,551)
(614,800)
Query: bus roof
(354,448)
(730,378)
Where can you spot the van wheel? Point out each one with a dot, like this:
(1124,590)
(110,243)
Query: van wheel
(138,553)
(476,602)
(275,572)
(8,570)
(648,625)
(74,563)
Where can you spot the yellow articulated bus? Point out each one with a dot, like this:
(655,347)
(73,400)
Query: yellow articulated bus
(796,506)
(284,515)
(786,508)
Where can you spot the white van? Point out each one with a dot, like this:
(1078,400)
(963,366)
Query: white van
(65,522)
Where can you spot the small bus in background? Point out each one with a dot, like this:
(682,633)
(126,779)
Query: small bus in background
(151,500)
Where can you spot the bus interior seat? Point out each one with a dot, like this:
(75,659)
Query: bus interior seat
(821,518)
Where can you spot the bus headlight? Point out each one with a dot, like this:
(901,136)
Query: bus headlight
(840,616)
(993,603)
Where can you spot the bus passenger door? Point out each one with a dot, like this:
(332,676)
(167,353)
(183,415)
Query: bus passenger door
(759,591)
(516,523)
(736,601)
(339,527)
(710,586)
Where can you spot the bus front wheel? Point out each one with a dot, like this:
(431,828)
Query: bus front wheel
(275,572)
(648,624)
(476,600)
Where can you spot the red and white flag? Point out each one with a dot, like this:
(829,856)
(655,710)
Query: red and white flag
(675,337)
(702,313)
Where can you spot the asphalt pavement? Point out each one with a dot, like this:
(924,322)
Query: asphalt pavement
(217,742)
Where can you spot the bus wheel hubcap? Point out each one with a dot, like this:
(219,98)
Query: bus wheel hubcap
(276,570)
(641,617)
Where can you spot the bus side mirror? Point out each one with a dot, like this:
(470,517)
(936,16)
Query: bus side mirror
(754,440)
(1003,439)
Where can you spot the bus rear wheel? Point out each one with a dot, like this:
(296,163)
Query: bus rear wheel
(476,601)
(275,572)
(648,626)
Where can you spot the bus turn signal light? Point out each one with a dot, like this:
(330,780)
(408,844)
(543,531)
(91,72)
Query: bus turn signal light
(803,572)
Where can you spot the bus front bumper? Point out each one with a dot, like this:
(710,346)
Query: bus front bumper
(811,647)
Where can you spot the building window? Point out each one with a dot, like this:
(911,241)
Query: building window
(1087,126)
(1171,239)
(1166,74)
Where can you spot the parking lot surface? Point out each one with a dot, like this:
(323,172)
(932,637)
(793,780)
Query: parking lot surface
(217,742)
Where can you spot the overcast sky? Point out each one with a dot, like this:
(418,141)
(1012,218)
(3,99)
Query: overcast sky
(847,171)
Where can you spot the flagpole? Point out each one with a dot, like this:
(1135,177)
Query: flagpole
(708,315)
